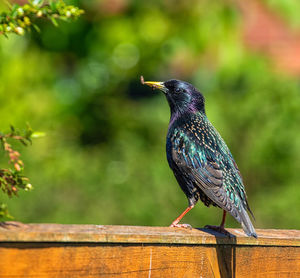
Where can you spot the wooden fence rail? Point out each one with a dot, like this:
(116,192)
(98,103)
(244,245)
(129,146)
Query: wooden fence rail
(54,250)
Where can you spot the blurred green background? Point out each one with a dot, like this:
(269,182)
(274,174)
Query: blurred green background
(103,158)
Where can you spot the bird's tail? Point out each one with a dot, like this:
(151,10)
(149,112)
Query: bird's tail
(247,224)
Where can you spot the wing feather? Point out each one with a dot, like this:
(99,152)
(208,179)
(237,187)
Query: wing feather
(208,171)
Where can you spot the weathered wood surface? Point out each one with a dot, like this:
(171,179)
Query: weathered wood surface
(53,250)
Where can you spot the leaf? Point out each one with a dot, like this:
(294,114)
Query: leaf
(23,142)
(53,21)
(52,6)
(37,2)
(4,211)
(29,140)
(36,28)
(28,133)
(14,11)
(38,134)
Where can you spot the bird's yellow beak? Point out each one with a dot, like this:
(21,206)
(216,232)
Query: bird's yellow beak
(153,84)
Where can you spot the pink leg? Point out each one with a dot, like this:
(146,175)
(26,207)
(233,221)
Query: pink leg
(219,229)
(223,219)
(176,221)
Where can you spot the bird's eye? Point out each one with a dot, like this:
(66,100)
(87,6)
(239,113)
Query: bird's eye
(177,90)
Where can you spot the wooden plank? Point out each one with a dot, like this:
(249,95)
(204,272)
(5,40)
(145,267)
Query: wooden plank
(104,260)
(15,231)
(53,250)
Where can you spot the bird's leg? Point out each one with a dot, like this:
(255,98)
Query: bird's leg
(176,221)
(219,229)
(223,220)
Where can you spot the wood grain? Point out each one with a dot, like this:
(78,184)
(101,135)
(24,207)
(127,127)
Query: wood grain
(15,231)
(53,250)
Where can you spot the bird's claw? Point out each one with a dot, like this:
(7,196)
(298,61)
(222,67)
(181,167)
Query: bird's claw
(181,226)
(218,229)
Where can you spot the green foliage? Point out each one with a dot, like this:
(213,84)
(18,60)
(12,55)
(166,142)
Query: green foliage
(11,179)
(21,18)
(103,159)
(17,20)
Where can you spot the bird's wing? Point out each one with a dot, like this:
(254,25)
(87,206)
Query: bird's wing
(209,168)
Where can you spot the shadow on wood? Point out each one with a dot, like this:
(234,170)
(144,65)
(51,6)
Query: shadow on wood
(227,258)
(226,253)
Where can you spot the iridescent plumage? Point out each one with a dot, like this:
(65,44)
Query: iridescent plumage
(200,159)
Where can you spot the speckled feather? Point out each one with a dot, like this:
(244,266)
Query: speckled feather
(204,166)
(193,144)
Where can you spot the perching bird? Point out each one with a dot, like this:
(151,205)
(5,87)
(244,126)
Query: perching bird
(200,159)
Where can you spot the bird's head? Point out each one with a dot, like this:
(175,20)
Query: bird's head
(182,96)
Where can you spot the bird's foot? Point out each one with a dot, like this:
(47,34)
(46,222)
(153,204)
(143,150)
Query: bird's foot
(176,225)
(218,229)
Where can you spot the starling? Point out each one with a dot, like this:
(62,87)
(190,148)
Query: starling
(200,159)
